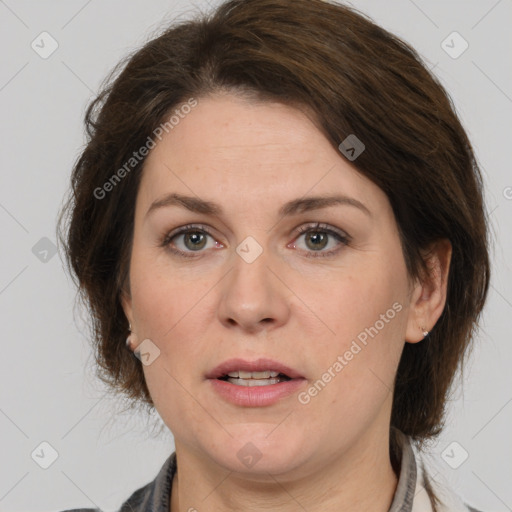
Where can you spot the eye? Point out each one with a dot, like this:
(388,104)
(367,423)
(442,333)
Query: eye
(194,239)
(317,238)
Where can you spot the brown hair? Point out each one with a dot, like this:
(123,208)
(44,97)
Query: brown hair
(358,79)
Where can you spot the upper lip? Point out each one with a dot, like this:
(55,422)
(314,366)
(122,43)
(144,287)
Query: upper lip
(258,365)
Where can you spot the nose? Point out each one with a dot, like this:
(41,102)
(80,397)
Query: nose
(253,296)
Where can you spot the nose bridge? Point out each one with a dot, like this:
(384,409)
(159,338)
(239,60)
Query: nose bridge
(251,292)
(250,276)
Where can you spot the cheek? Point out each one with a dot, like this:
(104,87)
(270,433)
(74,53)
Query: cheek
(364,317)
(161,297)
(354,368)
(358,300)
(171,311)
(167,310)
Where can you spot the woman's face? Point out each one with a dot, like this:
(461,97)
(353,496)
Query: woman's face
(332,303)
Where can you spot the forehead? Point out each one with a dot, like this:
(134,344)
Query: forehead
(227,127)
(233,147)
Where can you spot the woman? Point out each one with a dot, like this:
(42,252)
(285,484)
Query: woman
(281,214)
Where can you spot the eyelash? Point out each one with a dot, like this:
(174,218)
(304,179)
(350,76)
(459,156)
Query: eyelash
(323,228)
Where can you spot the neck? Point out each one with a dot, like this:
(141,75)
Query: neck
(360,479)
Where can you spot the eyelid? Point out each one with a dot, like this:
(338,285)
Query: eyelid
(302,229)
(184,229)
(343,237)
(320,226)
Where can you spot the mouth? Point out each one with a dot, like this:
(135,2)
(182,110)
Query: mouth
(250,379)
(261,372)
(260,383)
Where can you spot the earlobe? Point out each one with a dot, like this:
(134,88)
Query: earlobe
(129,339)
(428,297)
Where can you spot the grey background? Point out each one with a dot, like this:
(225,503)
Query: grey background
(47,388)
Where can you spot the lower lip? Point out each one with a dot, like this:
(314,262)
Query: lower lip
(256,396)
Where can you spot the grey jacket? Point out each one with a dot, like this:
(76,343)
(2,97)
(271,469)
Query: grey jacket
(412,493)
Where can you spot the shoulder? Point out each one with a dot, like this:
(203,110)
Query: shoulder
(135,503)
(154,496)
(82,510)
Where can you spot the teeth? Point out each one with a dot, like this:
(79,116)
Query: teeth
(253,375)
(254,382)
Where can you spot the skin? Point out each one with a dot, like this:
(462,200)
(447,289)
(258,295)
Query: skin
(329,454)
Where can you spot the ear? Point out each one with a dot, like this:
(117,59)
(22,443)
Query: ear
(428,296)
(126,302)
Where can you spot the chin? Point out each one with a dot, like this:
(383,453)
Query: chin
(256,452)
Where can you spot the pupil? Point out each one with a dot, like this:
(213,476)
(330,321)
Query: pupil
(193,236)
(319,237)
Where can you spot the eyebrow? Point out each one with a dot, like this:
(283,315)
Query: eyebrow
(296,206)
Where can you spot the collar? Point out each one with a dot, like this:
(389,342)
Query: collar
(416,487)
(403,499)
